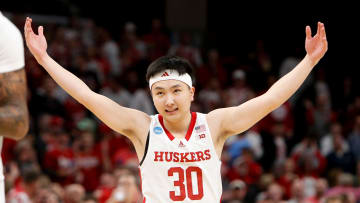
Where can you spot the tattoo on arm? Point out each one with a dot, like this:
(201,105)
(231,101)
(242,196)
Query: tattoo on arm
(13,104)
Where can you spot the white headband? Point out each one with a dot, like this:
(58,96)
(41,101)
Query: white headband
(170,75)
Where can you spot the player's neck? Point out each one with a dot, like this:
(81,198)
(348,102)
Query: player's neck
(179,127)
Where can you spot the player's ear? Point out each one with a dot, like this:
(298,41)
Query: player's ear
(192,92)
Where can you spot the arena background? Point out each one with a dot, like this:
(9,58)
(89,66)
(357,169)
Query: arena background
(235,30)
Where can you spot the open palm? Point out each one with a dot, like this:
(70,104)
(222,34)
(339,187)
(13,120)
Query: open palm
(316,46)
(36,43)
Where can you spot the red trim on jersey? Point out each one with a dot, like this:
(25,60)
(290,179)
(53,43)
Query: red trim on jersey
(191,127)
(189,131)
(170,136)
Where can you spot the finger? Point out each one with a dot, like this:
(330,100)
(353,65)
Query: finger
(41,30)
(308,32)
(323,32)
(25,25)
(318,28)
(28,28)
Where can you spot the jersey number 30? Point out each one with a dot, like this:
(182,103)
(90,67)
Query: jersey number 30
(182,174)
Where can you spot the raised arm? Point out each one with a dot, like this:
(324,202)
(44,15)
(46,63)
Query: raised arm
(121,119)
(14,118)
(234,120)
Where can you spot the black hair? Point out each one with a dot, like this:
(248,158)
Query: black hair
(181,65)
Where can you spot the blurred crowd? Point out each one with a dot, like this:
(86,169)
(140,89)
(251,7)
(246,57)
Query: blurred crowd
(304,151)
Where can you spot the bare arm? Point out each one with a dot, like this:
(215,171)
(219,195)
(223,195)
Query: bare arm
(237,119)
(121,119)
(14,119)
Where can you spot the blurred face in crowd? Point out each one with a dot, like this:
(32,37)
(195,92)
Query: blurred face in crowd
(87,140)
(74,193)
(336,129)
(321,186)
(107,179)
(63,138)
(289,166)
(213,55)
(46,196)
(49,85)
(297,189)
(338,140)
(239,193)
(119,172)
(172,99)
(275,192)
(127,181)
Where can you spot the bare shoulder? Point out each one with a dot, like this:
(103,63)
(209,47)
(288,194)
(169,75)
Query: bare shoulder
(140,125)
(215,119)
(216,116)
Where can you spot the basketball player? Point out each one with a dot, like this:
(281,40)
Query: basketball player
(14,121)
(179,150)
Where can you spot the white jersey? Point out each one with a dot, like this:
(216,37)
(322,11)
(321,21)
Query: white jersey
(11,46)
(11,59)
(180,170)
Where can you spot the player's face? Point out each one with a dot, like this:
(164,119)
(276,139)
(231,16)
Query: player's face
(172,98)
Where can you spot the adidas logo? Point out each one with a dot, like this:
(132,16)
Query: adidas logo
(165,74)
(181,144)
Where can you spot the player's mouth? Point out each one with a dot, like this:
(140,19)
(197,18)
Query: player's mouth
(171,111)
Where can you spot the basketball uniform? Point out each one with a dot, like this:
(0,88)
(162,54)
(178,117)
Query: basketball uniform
(180,170)
(11,59)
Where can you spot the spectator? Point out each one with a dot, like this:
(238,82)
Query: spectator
(245,168)
(186,50)
(74,193)
(354,138)
(236,193)
(126,191)
(340,157)
(213,68)
(308,158)
(88,161)
(327,141)
(157,41)
(26,189)
(239,92)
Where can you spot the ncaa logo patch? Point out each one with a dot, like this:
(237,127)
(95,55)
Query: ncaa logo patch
(158,130)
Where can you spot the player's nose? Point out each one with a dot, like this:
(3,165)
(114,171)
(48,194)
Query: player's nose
(169,100)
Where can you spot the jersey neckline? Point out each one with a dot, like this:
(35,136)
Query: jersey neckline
(189,131)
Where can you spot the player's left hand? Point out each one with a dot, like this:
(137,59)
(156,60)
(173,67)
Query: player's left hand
(316,46)
(36,42)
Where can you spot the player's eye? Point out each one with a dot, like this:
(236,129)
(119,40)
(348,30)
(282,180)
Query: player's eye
(177,90)
(159,93)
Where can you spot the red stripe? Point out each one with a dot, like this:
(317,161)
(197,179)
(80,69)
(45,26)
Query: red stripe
(144,200)
(189,131)
(170,136)
(191,127)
